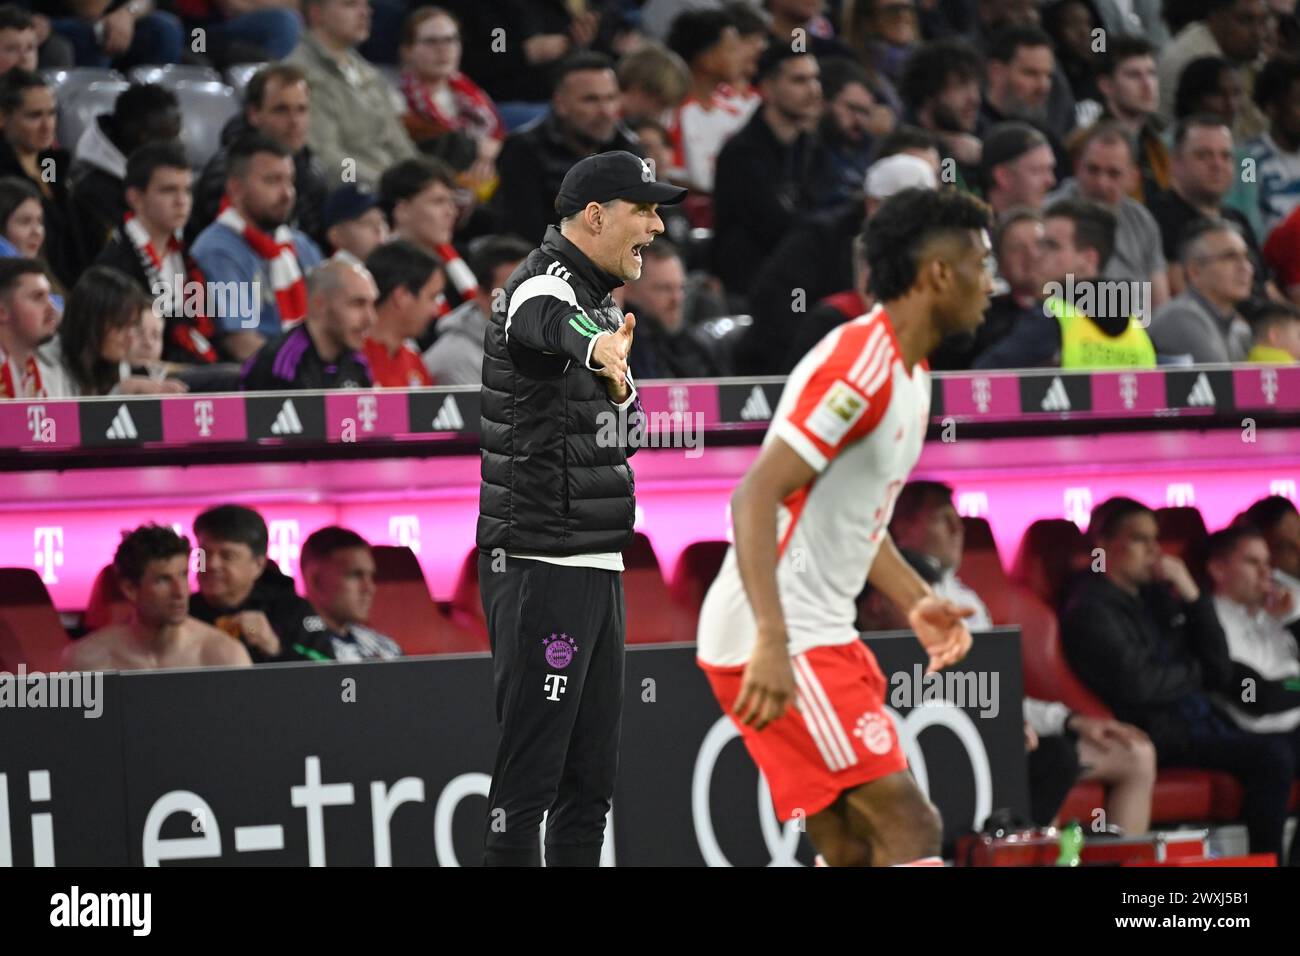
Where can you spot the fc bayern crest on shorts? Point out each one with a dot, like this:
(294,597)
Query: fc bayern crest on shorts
(560,650)
(874,732)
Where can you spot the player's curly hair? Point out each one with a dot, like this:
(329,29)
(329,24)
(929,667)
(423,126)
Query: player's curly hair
(897,234)
(149,542)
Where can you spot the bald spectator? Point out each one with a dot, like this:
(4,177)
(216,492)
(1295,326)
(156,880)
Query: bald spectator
(1018,167)
(356,130)
(153,572)
(1103,168)
(252,245)
(338,569)
(277,102)
(941,90)
(326,349)
(1233,29)
(583,120)
(1204,323)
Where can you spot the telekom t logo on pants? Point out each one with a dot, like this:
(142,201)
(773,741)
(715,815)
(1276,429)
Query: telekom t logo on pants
(554,685)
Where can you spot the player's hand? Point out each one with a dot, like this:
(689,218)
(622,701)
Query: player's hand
(258,632)
(612,349)
(940,626)
(1105,731)
(1279,602)
(767,687)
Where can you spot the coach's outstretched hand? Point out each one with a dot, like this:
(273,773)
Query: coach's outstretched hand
(940,626)
(612,349)
(767,687)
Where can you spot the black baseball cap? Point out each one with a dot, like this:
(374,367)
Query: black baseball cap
(614,175)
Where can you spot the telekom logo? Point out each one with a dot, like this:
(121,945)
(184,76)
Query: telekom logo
(973,504)
(404,531)
(1180,494)
(1128,389)
(1284,487)
(679,398)
(48,542)
(35,418)
(282,546)
(981,392)
(368,413)
(204,417)
(1268,384)
(1078,506)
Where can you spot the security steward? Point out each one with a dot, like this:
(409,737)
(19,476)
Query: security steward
(556,508)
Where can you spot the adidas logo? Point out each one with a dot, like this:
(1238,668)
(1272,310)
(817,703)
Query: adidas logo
(557,270)
(122,427)
(287,421)
(448,417)
(756,407)
(1201,393)
(1056,399)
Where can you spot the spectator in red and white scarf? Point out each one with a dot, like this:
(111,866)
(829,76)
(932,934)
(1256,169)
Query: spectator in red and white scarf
(419,197)
(28,320)
(440,99)
(250,255)
(149,248)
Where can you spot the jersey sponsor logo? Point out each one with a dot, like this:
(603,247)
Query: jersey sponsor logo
(837,412)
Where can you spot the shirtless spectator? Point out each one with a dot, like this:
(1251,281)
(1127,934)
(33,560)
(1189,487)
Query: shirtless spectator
(153,567)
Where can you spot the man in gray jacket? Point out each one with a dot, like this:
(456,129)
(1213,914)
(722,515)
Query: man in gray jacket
(1202,324)
(356,131)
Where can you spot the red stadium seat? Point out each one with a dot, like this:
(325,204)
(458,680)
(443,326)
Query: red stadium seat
(1183,533)
(1081,804)
(697,566)
(1051,551)
(981,568)
(1181,795)
(652,615)
(107,604)
(1047,674)
(405,611)
(467,601)
(35,635)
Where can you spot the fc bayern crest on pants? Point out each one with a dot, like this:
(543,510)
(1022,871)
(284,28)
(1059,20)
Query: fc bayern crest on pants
(560,649)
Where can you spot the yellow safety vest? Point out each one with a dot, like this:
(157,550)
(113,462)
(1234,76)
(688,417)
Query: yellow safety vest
(1085,345)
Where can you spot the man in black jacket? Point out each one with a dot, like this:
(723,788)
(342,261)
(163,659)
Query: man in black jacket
(583,120)
(556,508)
(1146,639)
(277,102)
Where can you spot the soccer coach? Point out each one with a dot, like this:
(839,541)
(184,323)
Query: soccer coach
(556,508)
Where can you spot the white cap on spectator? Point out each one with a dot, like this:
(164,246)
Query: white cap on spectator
(895,173)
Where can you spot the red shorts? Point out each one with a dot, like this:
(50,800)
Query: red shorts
(839,738)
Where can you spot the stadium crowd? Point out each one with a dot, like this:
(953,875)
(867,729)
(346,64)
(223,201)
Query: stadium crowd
(386,168)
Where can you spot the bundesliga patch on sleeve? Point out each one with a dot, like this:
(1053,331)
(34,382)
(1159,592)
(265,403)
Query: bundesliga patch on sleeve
(837,412)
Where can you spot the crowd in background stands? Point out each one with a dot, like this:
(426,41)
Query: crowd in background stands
(390,166)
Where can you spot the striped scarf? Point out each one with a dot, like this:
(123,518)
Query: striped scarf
(29,384)
(281,263)
(191,334)
(461,276)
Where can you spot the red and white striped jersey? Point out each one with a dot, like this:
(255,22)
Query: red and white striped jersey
(858,417)
(698,131)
